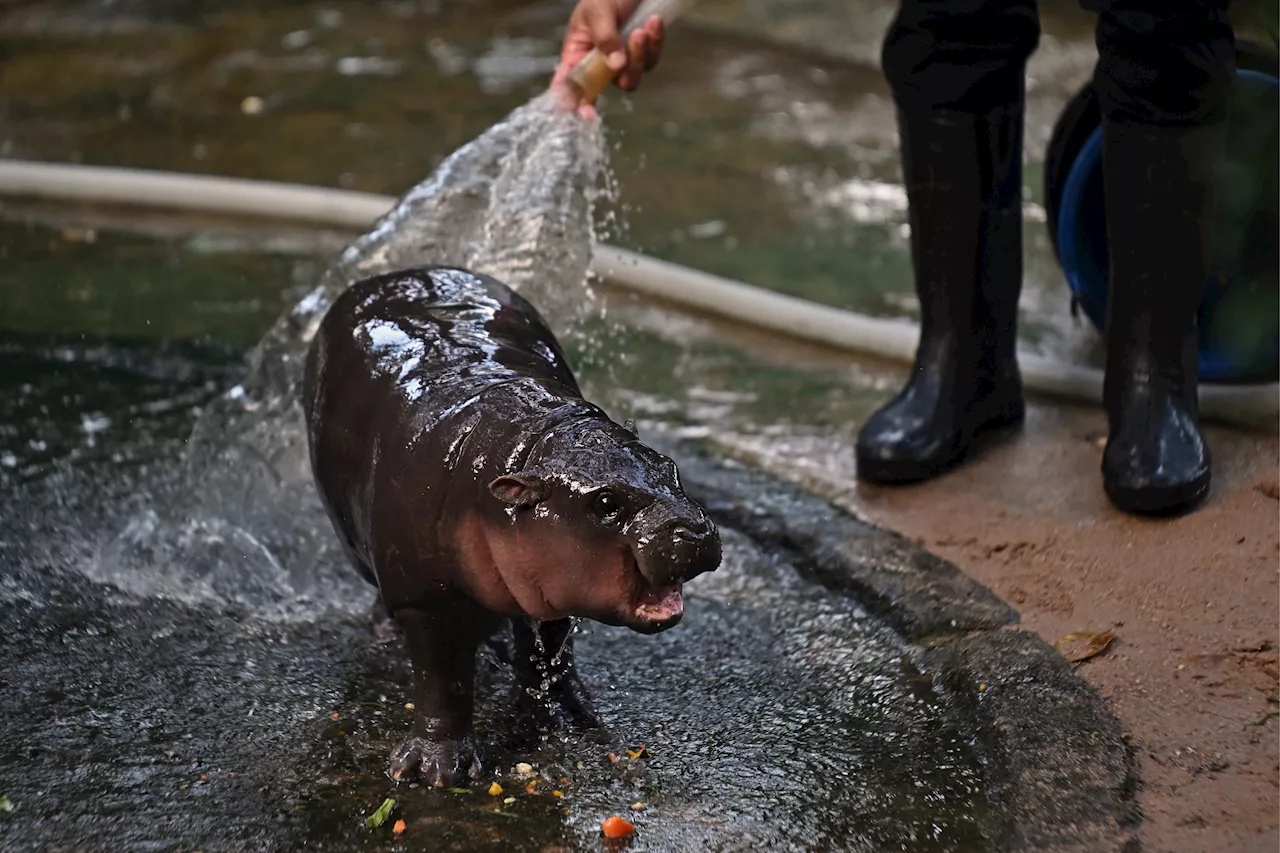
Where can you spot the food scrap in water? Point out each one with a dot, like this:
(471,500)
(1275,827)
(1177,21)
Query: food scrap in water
(616,827)
(638,807)
(641,752)
(557,794)
(523,769)
(6,805)
(495,789)
(334,715)
(379,817)
(398,828)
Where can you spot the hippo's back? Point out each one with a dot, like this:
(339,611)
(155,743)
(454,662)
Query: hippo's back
(395,373)
(437,334)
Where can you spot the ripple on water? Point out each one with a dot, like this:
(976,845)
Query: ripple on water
(776,716)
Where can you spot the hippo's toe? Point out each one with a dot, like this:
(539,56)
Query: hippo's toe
(442,763)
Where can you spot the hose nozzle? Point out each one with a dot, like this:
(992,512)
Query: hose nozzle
(592,74)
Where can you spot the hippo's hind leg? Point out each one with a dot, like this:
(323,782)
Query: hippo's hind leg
(442,642)
(549,691)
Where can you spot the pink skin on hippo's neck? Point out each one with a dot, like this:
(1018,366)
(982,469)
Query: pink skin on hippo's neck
(540,568)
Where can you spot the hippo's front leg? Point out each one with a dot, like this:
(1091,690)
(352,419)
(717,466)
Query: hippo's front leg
(547,682)
(442,644)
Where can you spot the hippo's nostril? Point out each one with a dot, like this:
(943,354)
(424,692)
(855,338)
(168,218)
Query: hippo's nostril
(683,533)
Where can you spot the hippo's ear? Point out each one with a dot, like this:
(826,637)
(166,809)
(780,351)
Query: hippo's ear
(630,426)
(523,489)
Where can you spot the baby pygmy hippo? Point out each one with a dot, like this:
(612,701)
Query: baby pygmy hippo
(468,479)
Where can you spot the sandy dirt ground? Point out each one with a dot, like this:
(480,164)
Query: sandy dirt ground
(1193,600)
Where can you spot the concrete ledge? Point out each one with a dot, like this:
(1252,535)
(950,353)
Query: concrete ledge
(919,594)
(1062,778)
(1060,774)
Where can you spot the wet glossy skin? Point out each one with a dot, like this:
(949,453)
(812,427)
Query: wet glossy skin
(467,477)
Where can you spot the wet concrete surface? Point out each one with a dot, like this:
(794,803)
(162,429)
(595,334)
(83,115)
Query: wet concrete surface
(211,582)
(778,716)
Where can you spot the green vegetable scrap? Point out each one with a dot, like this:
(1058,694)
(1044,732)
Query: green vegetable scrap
(379,817)
(459,790)
(5,804)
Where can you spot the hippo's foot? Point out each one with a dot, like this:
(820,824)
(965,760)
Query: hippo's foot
(550,696)
(441,763)
(563,707)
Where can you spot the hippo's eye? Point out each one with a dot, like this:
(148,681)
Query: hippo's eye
(605,506)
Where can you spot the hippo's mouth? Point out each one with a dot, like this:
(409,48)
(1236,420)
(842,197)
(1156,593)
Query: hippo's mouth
(657,607)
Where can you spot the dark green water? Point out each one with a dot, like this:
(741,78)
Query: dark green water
(744,155)
(160,317)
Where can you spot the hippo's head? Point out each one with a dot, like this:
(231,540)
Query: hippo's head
(601,528)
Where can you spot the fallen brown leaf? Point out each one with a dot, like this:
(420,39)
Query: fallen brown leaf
(1094,644)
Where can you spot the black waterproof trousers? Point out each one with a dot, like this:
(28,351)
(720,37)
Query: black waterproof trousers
(1167,63)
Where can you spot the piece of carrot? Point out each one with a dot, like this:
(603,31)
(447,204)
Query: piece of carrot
(398,828)
(616,827)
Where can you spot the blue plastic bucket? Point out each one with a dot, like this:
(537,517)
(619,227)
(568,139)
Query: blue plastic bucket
(1239,319)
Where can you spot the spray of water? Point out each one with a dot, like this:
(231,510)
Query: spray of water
(518,203)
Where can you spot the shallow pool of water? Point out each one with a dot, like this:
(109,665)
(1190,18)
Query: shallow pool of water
(175,311)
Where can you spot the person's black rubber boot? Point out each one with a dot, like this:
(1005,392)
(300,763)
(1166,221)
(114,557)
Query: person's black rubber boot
(963,176)
(1159,190)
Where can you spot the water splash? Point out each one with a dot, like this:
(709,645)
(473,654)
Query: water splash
(517,203)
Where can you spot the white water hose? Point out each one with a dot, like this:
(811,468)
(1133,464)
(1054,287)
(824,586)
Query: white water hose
(1244,405)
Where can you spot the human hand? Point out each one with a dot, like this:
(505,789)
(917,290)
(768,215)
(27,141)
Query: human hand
(594,25)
